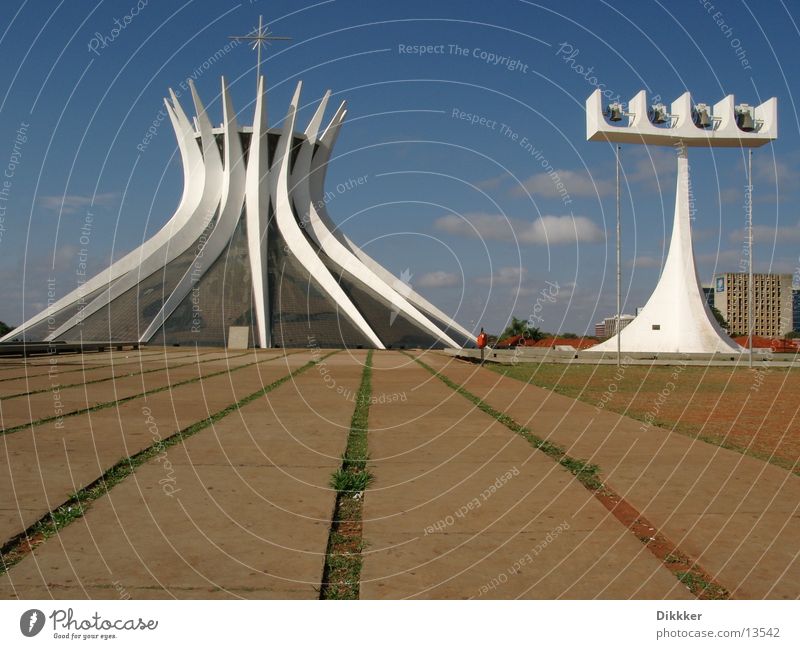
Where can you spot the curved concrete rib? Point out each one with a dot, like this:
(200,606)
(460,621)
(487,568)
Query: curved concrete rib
(211,206)
(295,239)
(191,219)
(257,202)
(193,179)
(230,210)
(304,177)
(317,188)
(406,291)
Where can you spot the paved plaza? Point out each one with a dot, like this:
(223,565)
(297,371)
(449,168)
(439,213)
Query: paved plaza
(207,474)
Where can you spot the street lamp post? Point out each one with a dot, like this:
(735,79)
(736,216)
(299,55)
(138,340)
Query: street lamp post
(750,288)
(619,267)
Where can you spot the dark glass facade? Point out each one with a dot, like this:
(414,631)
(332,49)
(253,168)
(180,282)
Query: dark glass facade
(43,329)
(300,312)
(128,316)
(222,298)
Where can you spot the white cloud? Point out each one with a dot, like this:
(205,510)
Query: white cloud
(731,195)
(721,258)
(438,279)
(478,225)
(546,230)
(71,203)
(781,265)
(493,182)
(772,171)
(505,275)
(645,261)
(774,179)
(652,165)
(575,183)
(555,230)
(735,261)
(768,234)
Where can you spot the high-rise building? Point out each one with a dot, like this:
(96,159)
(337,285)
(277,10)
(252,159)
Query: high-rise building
(796,309)
(610,324)
(772,303)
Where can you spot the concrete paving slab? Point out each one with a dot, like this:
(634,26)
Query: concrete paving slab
(419,546)
(687,488)
(21,410)
(40,467)
(67,376)
(526,566)
(118,590)
(237,524)
(77,362)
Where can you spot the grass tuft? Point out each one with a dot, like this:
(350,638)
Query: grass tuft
(701,587)
(341,578)
(344,481)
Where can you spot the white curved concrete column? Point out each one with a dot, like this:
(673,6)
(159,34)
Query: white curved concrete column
(295,239)
(677,317)
(192,218)
(408,292)
(306,178)
(230,210)
(216,189)
(257,203)
(317,187)
(193,180)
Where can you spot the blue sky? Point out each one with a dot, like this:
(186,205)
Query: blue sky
(454,108)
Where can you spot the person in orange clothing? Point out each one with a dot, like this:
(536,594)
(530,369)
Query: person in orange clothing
(482,340)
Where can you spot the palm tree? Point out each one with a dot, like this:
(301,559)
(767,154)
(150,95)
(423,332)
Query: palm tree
(519,327)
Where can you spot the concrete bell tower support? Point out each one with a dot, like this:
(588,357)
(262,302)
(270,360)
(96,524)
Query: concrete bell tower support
(677,317)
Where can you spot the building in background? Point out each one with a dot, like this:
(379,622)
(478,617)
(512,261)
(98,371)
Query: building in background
(796,309)
(610,324)
(708,291)
(600,329)
(772,312)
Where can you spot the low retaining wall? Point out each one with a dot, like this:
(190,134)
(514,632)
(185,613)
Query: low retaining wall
(548,355)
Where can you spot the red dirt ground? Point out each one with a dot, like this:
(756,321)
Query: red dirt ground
(755,411)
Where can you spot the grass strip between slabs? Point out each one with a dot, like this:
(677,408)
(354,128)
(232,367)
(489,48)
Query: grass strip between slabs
(685,569)
(83,367)
(77,505)
(146,393)
(341,576)
(119,376)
